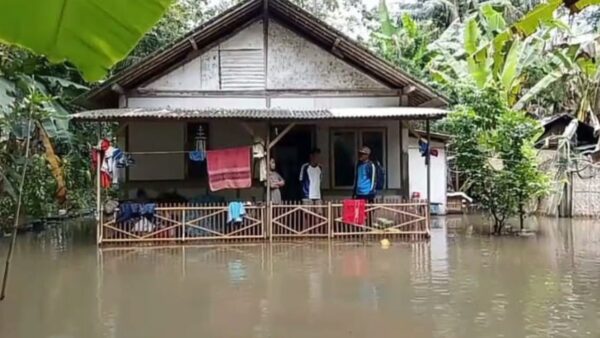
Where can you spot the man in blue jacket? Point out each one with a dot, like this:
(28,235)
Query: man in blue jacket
(364,182)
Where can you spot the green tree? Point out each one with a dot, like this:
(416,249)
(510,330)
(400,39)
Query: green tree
(494,151)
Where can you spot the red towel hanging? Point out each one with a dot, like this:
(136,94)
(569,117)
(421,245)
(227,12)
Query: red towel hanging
(354,212)
(229,168)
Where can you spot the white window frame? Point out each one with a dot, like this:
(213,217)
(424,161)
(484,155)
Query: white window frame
(358,143)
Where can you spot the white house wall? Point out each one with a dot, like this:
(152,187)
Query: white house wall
(144,137)
(418,173)
(261,102)
(238,64)
(197,102)
(296,63)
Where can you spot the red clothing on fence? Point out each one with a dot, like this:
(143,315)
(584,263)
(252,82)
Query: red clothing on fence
(229,168)
(354,212)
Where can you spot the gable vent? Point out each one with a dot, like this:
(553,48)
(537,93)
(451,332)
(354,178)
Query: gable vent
(242,69)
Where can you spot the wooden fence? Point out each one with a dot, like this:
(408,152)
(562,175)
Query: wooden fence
(181,223)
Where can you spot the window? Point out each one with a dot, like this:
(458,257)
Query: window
(345,144)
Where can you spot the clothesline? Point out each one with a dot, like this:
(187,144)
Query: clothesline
(160,152)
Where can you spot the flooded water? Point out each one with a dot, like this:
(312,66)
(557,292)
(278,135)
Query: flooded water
(457,285)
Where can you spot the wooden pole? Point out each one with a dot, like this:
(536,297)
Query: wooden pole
(428,157)
(282,134)
(268,193)
(13,239)
(98,198)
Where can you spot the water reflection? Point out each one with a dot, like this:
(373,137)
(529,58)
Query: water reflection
(457,285)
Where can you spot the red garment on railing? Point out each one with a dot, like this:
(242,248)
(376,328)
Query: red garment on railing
(229,168)
(354,212)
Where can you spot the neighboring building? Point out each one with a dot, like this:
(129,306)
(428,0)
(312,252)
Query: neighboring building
(439,170)
(576,193)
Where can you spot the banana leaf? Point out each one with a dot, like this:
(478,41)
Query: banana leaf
(387,27)
(495,20)
(54,165)
(410,25)
(541,85)
(511,65)
(57,81)
(92,34)
(6,87)
(472,36)
(6,186)
(479,70)
(542,14)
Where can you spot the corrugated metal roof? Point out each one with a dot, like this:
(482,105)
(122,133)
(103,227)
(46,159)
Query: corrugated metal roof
(246,12)
(260,114)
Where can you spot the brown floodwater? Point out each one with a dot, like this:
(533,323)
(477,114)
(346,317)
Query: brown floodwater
(460,284)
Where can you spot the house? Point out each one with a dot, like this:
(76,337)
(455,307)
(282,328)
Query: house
(264,71)
(568,153)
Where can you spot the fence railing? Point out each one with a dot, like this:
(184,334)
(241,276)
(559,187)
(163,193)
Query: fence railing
(194,223)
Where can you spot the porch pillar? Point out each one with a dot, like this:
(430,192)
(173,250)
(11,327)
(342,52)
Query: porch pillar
(428,158)
(268,149)
(99,225)
(404,167)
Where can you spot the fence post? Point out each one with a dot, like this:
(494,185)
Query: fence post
(269,222)
(329,220)
(427,220)
(183,224)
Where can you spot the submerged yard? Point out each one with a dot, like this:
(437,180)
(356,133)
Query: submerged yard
(459,284)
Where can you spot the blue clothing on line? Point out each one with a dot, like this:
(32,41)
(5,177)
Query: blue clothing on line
(129,210)
(235,212)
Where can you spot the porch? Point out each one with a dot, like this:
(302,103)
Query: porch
(162,168)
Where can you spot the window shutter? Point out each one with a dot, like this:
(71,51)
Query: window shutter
(242,69)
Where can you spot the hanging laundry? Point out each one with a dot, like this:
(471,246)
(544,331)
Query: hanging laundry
(229,168)
(100,151)
(197,156)
(109,164)
(354,212)
(235,212)
(123,160)
(130,210)
(260,155)
(424,147)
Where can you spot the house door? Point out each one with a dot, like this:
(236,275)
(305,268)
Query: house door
(290,153)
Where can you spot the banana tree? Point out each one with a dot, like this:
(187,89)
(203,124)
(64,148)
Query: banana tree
(483,63)
(576,66)
(25,98)
(403,43)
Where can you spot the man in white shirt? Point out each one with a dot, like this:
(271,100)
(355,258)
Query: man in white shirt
(310,178)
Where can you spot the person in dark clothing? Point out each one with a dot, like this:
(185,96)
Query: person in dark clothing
(364,182)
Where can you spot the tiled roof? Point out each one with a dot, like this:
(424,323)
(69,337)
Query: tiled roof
(414,113)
